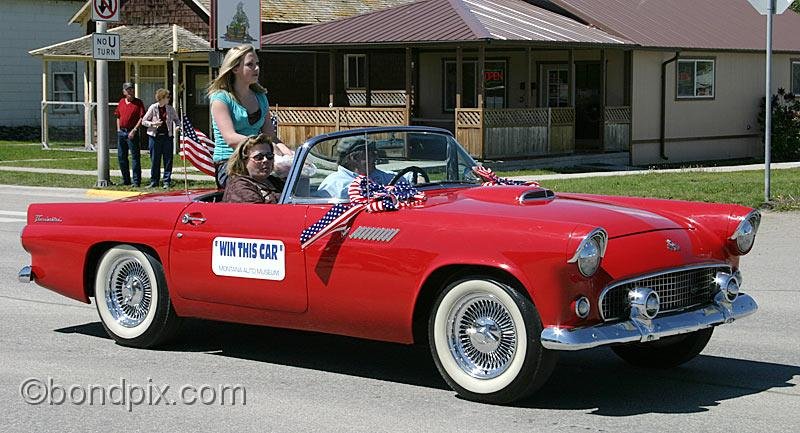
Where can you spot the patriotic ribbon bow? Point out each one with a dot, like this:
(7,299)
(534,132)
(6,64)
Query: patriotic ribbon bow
(490,178)
(365,194)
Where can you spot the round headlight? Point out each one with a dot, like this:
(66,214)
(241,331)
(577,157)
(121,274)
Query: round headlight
(589,257)
(745,234)
(582,306)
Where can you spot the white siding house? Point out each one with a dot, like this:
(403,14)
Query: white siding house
(29,24)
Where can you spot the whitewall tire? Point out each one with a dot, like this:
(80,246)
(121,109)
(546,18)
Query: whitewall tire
(484,337)
(132,298)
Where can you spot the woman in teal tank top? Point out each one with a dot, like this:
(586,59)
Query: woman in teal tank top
(239,107)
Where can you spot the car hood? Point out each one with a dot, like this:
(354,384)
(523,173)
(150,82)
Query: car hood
(541,205)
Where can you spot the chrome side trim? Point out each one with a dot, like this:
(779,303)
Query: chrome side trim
(637,330)
(25,274)
(379,234)
(655,274)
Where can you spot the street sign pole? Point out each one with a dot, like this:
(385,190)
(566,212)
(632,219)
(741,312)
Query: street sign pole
(103,175)
(768,106)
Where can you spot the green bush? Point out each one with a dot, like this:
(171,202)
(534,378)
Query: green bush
(785,126)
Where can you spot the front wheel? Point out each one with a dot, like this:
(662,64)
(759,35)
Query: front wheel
(484,337)
(132,299)
(665,353)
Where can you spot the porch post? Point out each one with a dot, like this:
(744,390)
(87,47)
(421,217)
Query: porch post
(87,108)
(136,77)
(45,138)
(481,69)
(368,95)
(604,77)
(459,76)
(331,77)
(529,83)
(408,85)
(571,84)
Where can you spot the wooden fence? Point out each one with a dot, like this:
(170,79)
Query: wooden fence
(516,132)
(298,124)
(617,129)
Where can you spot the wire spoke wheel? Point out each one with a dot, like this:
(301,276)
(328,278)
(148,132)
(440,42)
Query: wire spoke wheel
(481,335)
(129,292)
(132,298)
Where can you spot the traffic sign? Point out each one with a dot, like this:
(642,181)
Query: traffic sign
(105,10)
(105,46)
(762,6)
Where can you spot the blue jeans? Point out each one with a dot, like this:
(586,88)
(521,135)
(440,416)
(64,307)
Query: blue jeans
(160,148)
(123,145)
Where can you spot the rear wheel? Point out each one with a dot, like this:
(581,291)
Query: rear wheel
(132,298)
(665,353)
(484,339)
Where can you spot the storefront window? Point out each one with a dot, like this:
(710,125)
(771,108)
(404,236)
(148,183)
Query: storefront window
(494,74)
(555,85)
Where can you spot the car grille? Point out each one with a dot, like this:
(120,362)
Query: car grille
(677,289)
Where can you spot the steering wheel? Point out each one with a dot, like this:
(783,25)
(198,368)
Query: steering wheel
(411,169)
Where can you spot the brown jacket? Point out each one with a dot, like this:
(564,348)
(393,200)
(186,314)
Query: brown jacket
(245,189)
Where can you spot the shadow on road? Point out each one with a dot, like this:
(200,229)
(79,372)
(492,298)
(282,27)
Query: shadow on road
(594,380)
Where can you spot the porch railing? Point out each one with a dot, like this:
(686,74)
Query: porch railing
(617,129)
(516,132)
(297,124)
(378,98)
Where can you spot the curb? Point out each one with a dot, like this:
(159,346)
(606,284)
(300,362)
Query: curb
(111,194)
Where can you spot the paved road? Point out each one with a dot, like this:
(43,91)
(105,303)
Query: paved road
(746,380)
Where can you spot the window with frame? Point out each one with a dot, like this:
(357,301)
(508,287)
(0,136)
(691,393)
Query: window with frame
(355,71)
(796,77)
(64,86)
(554,79)
(152,76)
(495,84)
(695,78)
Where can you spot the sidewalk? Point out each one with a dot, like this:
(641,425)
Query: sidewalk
(178,175)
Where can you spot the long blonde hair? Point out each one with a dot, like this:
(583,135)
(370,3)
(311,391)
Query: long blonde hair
(225,79)
(237,163)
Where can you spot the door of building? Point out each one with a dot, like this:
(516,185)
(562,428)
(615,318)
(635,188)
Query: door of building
(196,79)
(588,106)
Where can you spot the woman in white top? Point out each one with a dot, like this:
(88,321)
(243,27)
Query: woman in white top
(160,120)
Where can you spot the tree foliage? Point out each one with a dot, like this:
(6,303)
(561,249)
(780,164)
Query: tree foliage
(796,6)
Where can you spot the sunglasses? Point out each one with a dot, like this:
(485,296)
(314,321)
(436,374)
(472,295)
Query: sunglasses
(258,157)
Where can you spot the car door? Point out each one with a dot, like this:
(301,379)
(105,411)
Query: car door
(240,254)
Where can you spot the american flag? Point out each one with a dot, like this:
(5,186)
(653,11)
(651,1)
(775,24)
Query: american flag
(336,218)
(197,147)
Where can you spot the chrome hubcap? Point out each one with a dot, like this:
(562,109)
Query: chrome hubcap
(128,292)
(481,335)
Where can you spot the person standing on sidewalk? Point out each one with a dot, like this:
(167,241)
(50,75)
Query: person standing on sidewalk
(160,120)
(129,115)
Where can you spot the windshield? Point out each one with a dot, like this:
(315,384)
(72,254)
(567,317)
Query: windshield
(424,159)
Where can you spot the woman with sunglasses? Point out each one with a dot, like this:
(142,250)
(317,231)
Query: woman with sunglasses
(249,168)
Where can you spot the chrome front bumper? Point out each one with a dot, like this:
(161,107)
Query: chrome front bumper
(25,274)
(638,329)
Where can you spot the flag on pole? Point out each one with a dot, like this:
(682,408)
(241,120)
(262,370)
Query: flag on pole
(197,147)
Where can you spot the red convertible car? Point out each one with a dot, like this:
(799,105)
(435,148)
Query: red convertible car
(395,234)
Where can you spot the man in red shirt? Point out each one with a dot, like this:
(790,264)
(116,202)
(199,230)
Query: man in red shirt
(129,115)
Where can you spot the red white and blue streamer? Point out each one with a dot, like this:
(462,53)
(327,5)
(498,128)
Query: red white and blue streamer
(365,194)
(491,179)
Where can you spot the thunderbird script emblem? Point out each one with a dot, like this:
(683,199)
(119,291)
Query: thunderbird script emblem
(672,246)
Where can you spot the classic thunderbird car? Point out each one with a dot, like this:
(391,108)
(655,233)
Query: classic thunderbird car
(497,277)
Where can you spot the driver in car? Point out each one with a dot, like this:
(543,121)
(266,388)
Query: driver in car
(356,157)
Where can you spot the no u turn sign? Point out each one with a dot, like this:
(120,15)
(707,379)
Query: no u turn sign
(105,10)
